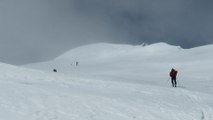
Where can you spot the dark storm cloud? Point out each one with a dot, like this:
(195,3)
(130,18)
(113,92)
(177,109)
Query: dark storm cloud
(36,30)
(180,22)
(186,23)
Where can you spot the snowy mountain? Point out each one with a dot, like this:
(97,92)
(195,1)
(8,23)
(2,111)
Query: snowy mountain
(111,82)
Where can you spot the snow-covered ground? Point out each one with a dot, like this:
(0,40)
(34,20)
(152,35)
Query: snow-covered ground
(111,82)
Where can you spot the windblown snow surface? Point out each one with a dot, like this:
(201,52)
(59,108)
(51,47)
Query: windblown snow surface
(111,82)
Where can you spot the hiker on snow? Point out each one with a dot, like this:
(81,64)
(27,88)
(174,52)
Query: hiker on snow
(173,74)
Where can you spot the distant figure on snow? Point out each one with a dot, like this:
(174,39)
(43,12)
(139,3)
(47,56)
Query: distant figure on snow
(173,75)
(54,70)
(76,63)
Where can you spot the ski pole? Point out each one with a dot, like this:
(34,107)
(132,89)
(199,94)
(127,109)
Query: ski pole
(178,83)
(168,80)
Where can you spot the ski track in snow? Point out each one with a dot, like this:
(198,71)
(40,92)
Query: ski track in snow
(205,110)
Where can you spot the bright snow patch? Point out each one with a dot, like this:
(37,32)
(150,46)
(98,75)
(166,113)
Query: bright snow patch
(111,82)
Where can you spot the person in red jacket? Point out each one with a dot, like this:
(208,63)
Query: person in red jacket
(173,75)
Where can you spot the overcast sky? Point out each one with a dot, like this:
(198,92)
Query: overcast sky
(38,30)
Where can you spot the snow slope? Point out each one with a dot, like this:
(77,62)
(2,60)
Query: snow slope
(112,82)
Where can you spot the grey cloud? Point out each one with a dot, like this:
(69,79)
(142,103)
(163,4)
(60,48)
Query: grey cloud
(180,22)
(37,30)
